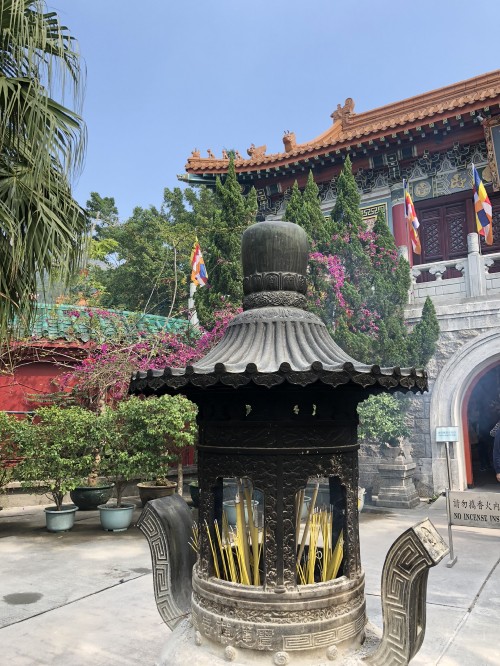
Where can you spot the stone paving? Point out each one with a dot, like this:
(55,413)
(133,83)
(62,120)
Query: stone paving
(86,596)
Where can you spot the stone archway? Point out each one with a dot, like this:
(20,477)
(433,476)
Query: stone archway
(449,393)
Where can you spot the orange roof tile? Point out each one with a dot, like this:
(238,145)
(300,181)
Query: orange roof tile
(349,127)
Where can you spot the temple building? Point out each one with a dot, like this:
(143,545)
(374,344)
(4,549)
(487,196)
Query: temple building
(430,140)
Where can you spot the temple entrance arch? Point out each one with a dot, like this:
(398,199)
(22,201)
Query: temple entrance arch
(481,412)
(450,400)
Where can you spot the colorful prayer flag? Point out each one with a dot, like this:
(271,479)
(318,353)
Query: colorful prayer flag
(198,271)
(482,205)
(411,216)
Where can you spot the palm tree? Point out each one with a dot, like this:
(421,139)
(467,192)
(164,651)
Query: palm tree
(42,144)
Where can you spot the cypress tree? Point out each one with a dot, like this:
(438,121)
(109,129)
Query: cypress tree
(346,214)
(424,337)
(347,228)
(294,207)
(370,326)
(315,223)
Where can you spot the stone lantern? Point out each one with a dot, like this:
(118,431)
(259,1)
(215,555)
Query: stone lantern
(277,419)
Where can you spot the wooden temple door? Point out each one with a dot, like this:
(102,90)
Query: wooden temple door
(443,232)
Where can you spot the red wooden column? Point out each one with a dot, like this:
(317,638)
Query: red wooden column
(399,221)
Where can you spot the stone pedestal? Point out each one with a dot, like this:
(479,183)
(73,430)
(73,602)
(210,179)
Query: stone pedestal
(397,489)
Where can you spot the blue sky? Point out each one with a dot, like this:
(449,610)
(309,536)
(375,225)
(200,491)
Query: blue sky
(166,76)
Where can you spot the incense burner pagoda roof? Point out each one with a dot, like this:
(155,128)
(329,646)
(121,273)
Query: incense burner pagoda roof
(269,346)
(351,128)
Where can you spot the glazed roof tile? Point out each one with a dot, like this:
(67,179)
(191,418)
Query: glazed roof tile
(349,127)
(86,324)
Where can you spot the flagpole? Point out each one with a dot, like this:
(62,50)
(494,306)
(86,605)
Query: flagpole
(475,214)
(193,316)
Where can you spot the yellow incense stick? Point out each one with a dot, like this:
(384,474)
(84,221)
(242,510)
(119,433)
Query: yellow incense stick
(216,563)
(308,522)
(221,550)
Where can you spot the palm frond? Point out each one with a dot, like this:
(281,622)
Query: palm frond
(42,145)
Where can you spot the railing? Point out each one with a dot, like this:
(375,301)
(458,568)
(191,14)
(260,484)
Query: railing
(478,277)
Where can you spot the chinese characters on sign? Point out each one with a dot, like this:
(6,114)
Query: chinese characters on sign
(475,509)
(448,434)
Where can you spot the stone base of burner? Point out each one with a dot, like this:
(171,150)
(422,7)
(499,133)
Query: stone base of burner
(187,646)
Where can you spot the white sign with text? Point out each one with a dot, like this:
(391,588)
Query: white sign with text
(447,434)
(475,509)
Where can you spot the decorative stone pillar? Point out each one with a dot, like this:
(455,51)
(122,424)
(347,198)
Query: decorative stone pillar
(397,489)
(476,278)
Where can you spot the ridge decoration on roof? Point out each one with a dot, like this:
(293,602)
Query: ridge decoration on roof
(349,127)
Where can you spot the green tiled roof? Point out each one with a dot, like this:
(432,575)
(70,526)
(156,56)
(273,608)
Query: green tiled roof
(73,322)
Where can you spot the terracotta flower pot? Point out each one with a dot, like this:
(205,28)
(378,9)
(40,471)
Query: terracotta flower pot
(149,491)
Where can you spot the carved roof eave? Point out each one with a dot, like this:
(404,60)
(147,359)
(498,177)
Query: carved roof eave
(408,114)
(272,345)
(402,379)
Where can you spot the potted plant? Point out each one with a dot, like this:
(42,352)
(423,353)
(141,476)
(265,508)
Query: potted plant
(57,447)
(95,490)
(139,436)
(170,426)
(382,419)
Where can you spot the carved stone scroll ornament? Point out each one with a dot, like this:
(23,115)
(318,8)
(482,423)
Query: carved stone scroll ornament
(167,523)
(264,299)
(404,592)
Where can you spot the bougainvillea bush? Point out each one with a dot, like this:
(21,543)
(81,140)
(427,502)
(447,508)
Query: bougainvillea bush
(104,375)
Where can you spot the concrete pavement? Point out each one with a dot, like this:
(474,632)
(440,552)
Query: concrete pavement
(86,596)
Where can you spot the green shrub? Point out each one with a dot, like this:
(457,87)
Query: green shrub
(58,448)
(382,419)
(142,437)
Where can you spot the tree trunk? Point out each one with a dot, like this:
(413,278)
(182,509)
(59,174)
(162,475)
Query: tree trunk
(180,478)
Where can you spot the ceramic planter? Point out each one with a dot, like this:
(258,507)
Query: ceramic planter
(230,510)
(60,521)
(149,491)
(194,491)
(116,518)
(88,498)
